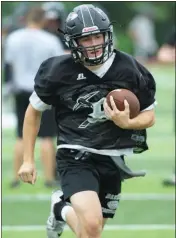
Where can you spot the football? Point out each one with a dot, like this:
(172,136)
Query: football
(119,95)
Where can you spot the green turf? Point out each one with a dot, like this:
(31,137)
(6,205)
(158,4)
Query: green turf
(106,234)
(158,161)
(125,214)
(149,184)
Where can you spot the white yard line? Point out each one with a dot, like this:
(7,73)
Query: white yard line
(125,196)
(148,227)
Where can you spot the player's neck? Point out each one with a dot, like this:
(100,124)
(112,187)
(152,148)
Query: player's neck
(94,67)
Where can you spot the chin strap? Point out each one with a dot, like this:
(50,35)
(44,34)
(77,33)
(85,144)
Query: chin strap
(61,31)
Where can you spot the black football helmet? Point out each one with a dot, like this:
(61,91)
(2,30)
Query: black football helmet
(54,11)
(87,20)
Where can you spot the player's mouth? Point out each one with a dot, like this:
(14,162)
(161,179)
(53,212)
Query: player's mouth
(95,53)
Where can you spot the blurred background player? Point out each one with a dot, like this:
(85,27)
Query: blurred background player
(17,19)
(6,28)
(25,49)
(166,54)
(142,33)
(19,15)
(55,15)
(13,22)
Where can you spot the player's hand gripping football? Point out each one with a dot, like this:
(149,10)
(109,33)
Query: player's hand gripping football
(27,173)
(120,118)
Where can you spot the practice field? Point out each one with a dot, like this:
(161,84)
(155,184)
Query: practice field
(147,209)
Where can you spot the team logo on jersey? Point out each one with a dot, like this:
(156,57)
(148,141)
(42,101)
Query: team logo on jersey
(97,114)
(83,101)
(81,77)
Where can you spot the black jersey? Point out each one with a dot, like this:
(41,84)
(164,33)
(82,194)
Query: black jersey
(78,94)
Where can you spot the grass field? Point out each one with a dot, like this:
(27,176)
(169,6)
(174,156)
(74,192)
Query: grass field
(147,209)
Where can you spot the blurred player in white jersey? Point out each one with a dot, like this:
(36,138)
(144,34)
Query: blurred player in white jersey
(166,54)
(142,33)
(13,22)
(25,49)
(55,15)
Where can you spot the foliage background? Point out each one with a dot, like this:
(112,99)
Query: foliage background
(122,12)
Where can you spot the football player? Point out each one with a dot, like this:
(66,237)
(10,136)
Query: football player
(92,138)
(55,17)
(25,50)
(166,54)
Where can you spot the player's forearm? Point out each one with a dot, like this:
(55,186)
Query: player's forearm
(30,131)
(142,121)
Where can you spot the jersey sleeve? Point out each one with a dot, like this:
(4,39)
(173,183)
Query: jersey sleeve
(45,86)
(38,104)
(143,85)
(146,91)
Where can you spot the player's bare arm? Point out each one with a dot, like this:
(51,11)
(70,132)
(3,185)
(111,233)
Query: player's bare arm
(122,119)
(144,120)
(31,127)
(30,130)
